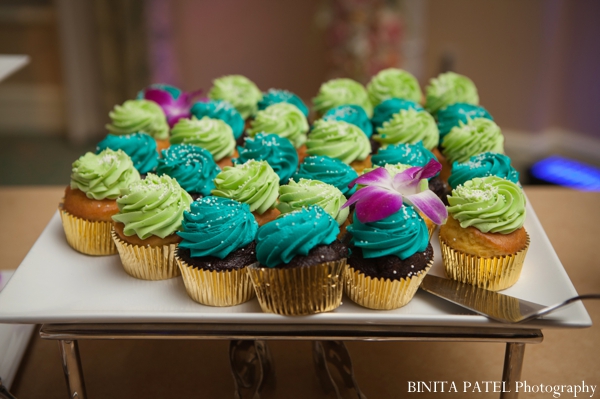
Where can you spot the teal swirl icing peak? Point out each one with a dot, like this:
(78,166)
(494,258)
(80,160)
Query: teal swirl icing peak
(455,114)
(274,96)
(409,126)
(217,226)
(388,108)
(338,92)
(393,83)
(220,110)
(294,233)
(282,119)
(153,206)
(483,165)
(328,170)
(193,167)
(450,88)
(140,147)
(351,114)
(142,116)
(408,154)
(277,151)
(402,234)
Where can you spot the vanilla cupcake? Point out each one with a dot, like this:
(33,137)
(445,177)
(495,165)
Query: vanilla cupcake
(145,229)
(409,126)
(450,88)
(279,153)
(393,83)
(283,119)
(239,91)
(338,92)
(476,136)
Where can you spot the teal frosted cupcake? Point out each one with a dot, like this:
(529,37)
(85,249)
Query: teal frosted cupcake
(352,114)
(393,83)
(450,88)
(220,110)
(239,91)
(277,151)
(476,136)
(483,165)
(388,108)
(338,92)
(193,167)
(140,147)
(328,170)
(282,119)
(409,126)
(275,96)
(458,114)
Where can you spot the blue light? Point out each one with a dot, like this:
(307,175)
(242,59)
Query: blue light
(567,172)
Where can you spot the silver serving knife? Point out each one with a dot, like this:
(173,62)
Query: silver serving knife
(496,306)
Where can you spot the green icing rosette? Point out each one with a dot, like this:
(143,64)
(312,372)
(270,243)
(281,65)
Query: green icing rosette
(140,147)
(388,108)
(283,119)
(105,175)
(450,88)
(253,183)
(338,92)
(340,140)
(409,126)
(220,110)
(277,151)
(452,116)
(304,193)
(239,91)
(139,116)
(328,170)
(490,204)
(393,83)
(153,206)
(402,234)
(483,165)
(294,233)
(477,136)
(274,96)
(213,135)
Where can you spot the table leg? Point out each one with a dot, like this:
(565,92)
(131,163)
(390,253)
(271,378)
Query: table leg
(332,357)
(251,366)
(513,364)
(69,351)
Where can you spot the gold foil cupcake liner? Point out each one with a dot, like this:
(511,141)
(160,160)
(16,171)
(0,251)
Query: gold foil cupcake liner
(147,262)
(216,288)
(380,293)
(88,237)
(493,273)
(299,290)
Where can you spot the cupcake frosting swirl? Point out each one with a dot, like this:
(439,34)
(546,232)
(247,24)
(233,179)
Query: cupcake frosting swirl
(337,139)
(393,83)
(483,165)
(153,206)
(141,116)
(477,136)
(140,147)
(328,170)
(351,114)
(282,119)
(408,154)
(294,233)
(277,151)
(450,88)
(253,183)
(338,92)
(213,135)
(388,108)
(275,96)
(402,234)
(409,126)
(217,226)
(238,90)
(103,175)
(304,193)
(193,167)
(220,110)
(490,204)
(455,114)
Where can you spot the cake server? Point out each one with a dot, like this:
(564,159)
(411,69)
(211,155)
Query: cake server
(500,307)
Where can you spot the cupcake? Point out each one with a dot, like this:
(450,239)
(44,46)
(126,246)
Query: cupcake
(277,151)
(351,114)
(393,83)
(216,249)
(97,180)
(213,135)
(409,126)
(221,110)
(458,114)
(328,170)
(301,263)
(282,119)
(476,136)
(450,88)
(389,259)
(275,96)
(193,167)
(254,183)
(140,116)
(388,108)
(483,165)
(145,228)
(140,147)
(239,91)
(338,92)
(340,140)
(484,242)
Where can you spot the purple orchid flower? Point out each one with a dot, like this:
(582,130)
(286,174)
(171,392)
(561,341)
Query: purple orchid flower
(174,108)
(383,194)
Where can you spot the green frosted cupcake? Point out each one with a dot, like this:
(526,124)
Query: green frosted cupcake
(338,92)
(213,135)
(409,126)
(393,83)
(139,116)
(450,88)
(475,137)
(239,91)
(283,119)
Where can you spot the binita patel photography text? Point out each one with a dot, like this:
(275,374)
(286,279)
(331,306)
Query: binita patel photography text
(556,390)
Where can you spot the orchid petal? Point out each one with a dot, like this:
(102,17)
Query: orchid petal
(379,177)
(364,194)
(406,179)
(161,97)
(430,205)
(432,168)
(377,204)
